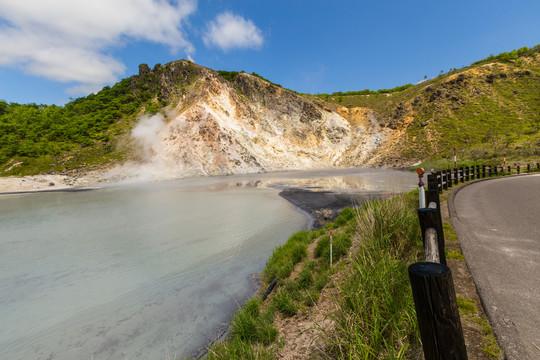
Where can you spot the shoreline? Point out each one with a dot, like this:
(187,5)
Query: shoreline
(325,206)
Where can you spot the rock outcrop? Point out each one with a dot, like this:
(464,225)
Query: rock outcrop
(216,127)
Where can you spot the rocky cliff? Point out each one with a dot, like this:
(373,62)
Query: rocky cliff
(213,126)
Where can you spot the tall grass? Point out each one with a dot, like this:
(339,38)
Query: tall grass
(285,257)
(376,317)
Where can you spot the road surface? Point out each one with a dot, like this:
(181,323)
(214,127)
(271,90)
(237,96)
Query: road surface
(498,225)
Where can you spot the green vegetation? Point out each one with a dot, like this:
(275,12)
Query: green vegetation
(37,136)
(483,110)
(468,309)
(231,76)
(368,92)
(86,131)
(510,56)
(375,318)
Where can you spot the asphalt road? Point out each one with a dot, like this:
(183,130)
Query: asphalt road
(498,225)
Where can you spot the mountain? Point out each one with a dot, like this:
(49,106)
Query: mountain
(182,119)
(484,110)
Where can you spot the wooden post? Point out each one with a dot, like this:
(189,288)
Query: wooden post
(538,166)
(509,170)
(433,184)
(449,177)
(430,218)
(490,173)
(478,171)
(440,179)
(528,168)
(462,172)
(518,169)
(456,176)
(483,171)
(467,174)
(496,169)
(432,196)
(437,311)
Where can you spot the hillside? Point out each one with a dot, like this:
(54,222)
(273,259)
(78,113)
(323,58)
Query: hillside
(485,110)
(181,119)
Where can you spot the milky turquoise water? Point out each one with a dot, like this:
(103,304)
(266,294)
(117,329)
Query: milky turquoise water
(141,271)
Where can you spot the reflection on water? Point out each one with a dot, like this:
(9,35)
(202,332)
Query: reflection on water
(140,271)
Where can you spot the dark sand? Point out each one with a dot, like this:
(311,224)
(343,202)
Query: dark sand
(325,206)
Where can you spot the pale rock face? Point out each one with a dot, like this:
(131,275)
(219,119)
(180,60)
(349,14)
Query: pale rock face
(224,131)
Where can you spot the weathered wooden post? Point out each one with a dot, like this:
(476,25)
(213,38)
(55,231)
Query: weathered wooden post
(437,311)
(445,180)
(440,181)
(496,170)
(528,168)
(509,170)
(478,171)
(467,174)
(433,184)
(483,171)
(490,172)
(538,166)
(432,199)
(518,169)
(462,172)
(449,177)
(456,176)
(430,218)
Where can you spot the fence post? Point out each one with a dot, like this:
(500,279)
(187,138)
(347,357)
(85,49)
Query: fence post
(496,170)
(518,169)
(430,218)
(538,166)
(432,199)
(509,170)
(440,180)
(456,176)
(449,178)
(483,171)
(528,168)
(478,171)
(467,175)
(462,172)
(437,311)
(490,173)
(432,181)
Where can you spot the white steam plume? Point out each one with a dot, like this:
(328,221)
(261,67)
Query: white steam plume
(147,134)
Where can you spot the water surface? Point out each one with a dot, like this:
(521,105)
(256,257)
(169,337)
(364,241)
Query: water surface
(142,271)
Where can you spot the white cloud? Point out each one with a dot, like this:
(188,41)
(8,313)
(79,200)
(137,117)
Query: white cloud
(229,31)
(68,41)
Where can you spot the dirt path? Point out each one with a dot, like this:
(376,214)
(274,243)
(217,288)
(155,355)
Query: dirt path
(301,334)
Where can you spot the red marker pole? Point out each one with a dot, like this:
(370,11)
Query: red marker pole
(330,248)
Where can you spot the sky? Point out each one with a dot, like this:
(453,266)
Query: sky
(52,51)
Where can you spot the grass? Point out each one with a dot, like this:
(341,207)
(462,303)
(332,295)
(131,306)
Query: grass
(376,316)
(285,257)
(376,313)
(468,308)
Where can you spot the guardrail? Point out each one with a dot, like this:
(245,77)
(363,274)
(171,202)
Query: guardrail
(431,281)
(445,179)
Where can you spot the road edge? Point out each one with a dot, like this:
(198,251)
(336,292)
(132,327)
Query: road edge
(511,349)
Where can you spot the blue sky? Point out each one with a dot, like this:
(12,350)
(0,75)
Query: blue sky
(51,50)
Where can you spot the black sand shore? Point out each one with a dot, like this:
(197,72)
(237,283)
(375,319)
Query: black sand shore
(325,206)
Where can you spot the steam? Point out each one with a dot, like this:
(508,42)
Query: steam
(146,133)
